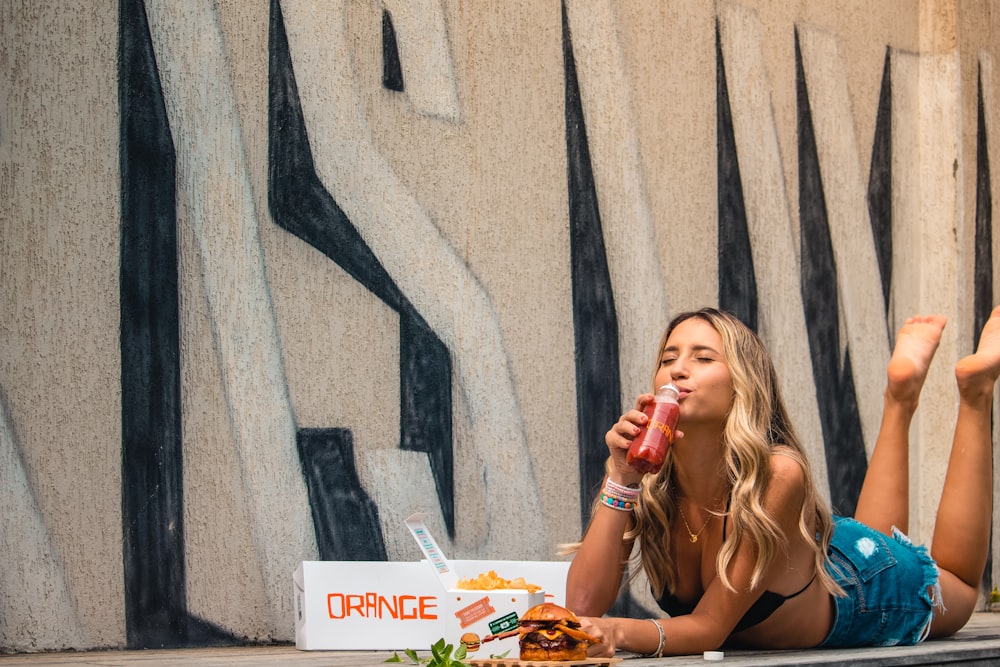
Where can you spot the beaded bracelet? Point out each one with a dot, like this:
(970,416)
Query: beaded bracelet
(617,503)
(658,653)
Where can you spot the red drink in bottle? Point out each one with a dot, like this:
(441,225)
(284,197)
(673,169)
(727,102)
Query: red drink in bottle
(649,449)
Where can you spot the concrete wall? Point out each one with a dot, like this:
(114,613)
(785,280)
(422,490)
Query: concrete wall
(274,275)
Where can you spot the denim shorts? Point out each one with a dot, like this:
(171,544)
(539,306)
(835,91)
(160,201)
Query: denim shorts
(887,582)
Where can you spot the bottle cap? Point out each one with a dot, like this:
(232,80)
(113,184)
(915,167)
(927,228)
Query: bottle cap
(669,387)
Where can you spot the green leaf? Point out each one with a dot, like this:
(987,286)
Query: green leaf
(437,651)
(501,656)
(441,656)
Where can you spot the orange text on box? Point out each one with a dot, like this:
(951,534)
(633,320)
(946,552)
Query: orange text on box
(376,605)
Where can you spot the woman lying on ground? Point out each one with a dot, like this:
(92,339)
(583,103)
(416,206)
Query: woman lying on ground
(737,543)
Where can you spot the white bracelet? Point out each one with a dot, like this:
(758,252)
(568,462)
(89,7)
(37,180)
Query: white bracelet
(626,492)
(658,653)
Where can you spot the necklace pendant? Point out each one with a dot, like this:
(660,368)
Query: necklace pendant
(694,538)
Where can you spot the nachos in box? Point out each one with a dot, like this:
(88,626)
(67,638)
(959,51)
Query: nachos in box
(491,581)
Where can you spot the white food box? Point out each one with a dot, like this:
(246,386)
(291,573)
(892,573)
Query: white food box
(392,606)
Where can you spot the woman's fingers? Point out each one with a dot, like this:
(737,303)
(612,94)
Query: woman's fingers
(642,400)
(604,649)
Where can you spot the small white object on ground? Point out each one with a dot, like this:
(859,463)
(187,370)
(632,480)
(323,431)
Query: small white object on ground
(714,655)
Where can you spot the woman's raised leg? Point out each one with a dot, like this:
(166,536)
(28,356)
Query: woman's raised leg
(962,527)
(885,494)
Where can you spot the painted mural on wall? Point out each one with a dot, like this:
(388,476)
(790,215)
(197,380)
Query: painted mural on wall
(232,223)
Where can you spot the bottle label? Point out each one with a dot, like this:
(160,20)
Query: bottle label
(656,425)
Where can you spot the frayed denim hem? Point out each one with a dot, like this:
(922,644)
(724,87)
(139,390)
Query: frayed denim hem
(932,591)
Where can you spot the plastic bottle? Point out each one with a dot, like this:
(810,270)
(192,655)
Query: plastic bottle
(649,449)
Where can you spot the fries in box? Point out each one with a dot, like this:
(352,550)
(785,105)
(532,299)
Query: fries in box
(491,581)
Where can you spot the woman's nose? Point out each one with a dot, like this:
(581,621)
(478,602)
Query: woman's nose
(678,369)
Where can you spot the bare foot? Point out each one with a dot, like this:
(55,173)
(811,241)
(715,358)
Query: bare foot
(977,372)
(915,346)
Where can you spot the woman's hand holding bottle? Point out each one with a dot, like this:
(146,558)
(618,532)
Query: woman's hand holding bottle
(639,440)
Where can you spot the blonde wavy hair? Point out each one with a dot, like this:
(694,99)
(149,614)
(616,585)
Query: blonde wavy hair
(756,427)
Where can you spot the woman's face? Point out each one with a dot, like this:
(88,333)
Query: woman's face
(693,359)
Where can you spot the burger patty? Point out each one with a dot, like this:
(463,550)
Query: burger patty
(546,625)
(558,642)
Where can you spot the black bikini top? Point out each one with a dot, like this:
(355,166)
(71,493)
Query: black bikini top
(765,605)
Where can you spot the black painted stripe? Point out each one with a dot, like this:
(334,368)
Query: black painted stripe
(880,183)
(392,69)
(156,613)
(595,324)
(152,470)
(983,267)
(335,491)
(737,279)
(838,410)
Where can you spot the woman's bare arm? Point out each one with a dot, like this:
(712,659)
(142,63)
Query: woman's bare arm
(595,575)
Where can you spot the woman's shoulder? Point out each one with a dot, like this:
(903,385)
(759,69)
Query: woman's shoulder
(786,461)
(788,476)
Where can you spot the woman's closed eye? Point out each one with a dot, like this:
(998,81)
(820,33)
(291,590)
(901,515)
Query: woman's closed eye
(666,361)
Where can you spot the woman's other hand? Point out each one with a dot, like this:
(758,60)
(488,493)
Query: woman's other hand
(594,627)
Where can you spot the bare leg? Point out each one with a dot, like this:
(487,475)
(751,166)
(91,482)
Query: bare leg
(885,495)
(962,527)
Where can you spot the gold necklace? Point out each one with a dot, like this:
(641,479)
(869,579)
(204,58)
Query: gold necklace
(693,536)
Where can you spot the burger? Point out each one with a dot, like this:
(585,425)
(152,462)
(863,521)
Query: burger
(470,640)
(551,632)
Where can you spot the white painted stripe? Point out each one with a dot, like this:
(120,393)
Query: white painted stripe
(862,313)
(781,314)
(637,277)
(36,609)
(215,198)
(425,57)
(927,171)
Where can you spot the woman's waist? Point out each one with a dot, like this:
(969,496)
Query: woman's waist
(800,622)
